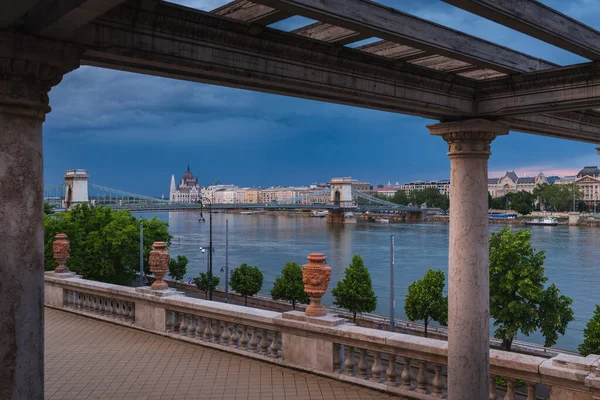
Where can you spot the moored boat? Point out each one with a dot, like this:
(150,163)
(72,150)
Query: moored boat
(382,220)
(542,221)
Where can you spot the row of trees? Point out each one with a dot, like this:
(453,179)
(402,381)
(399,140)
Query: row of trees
(431,196)
(544,197)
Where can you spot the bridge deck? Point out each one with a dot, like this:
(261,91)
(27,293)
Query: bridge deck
(89,359)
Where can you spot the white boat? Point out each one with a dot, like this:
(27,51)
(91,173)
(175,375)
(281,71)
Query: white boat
(382,220)
(320,214)
(543,221)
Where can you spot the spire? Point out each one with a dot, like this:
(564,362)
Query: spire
(188,167)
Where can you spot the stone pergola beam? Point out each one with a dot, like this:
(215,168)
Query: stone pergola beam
(12,11)
(244,10)
(564,89)
(375,20)
(535,19)
(60,18)
(172,42)
(567,125)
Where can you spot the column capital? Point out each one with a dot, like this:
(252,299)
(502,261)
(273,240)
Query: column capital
(469,138)
(29,68)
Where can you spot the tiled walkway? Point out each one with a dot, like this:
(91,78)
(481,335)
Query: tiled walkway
(90,359)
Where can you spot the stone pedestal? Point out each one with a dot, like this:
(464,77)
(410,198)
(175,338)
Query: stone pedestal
(306,352)
(574,218)
(468,280)
(29,67)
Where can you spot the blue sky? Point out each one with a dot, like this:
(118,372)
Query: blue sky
(131,132)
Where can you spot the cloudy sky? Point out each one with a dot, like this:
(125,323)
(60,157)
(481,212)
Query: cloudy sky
(131,132)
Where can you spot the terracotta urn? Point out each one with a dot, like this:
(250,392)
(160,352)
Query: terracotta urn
(61,249)
(315,277)
(159,264)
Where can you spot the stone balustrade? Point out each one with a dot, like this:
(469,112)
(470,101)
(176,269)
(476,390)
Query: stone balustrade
(409,366)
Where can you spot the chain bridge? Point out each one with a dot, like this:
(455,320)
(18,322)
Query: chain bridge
(343,199)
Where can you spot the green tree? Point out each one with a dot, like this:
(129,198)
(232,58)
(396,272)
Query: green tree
(591,335)
(431,196)
(48,209)
(246,280)
(521,202)
(178,267)
(355,292)
(518,300)
(203,283)
(289,286)
(104,243)
(400,198)
(426,301)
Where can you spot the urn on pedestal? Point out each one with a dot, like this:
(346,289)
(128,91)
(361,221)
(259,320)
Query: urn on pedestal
(61,249)
(159,264)
(315,277)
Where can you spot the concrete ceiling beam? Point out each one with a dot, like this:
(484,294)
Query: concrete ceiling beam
(191,45)
(247,11)
(12,11)
(375,20)
(60,18)
(537,20)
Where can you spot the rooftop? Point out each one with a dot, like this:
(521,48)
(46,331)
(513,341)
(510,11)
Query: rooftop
(91,359)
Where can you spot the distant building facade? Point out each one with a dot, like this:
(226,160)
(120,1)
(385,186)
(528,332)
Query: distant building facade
(188,190)
(587,181)
(443,186)
(511,183)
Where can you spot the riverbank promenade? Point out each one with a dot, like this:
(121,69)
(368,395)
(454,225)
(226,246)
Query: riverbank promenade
(91,359)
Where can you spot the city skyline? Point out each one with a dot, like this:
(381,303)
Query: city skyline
(133,131)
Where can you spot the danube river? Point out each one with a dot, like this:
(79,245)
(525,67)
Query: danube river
(572,254)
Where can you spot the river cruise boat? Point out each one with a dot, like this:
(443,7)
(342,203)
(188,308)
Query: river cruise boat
(542,221)
(319,214)
(382,220)
(502,216)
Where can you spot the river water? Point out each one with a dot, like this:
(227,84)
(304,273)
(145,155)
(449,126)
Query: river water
(269,241)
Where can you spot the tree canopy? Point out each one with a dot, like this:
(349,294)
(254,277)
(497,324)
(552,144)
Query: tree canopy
(431,196)
(355,292)
(203,283)
(425,299)
(104,243)
(178,267)
(289,286)
(591,335)
(518,300)
(557,197)
(246,280)
(521,202)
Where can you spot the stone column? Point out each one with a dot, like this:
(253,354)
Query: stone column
(468,278)
(29,67)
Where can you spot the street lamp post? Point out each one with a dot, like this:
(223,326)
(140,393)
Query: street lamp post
(210,245)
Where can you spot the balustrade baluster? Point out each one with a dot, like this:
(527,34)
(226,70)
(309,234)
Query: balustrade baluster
(493,395)
(208,333)
(407,374)
(66,297)
(530,390)
(438,382)
(362,363)
(244,338)
(235,335)
(422,377)
(376,368)
(108,308)
(337,359)
(183,328)
(217,331)
(97,304)
(390,372)
(193,326)
(176,321)
(264,342)
(199,327)
(119,305)
(225,336)
(348,360)
(274,348)
(169,321)
(83,301)
(510,389)
(78,300)
(253,344)
(131,311)
(90,302)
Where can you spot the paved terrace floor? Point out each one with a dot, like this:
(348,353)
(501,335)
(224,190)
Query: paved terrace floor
(90,359)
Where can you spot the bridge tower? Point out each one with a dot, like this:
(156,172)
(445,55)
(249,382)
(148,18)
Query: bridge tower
(341,195)
(77,187)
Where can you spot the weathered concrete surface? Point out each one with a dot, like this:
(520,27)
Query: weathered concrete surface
(307,352)
(468,269)
(28,70)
